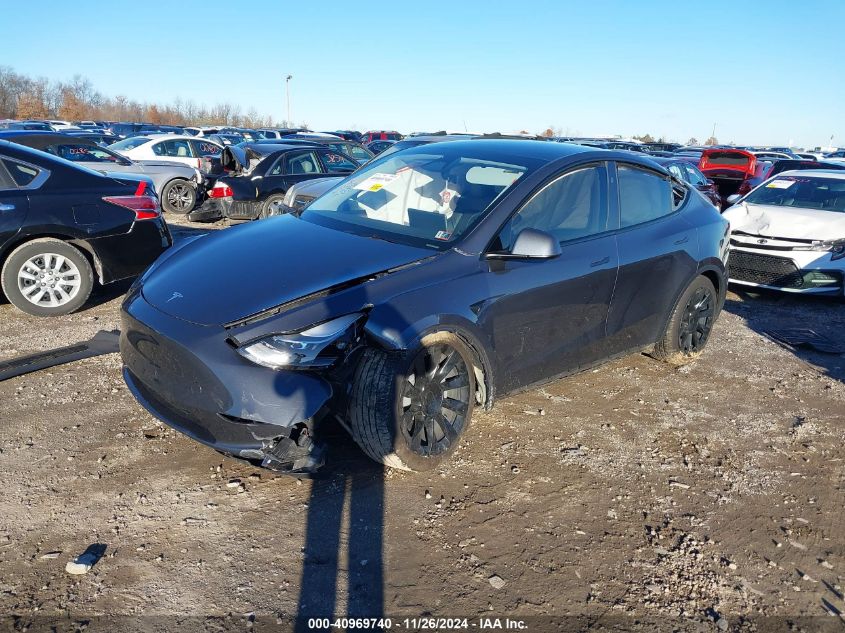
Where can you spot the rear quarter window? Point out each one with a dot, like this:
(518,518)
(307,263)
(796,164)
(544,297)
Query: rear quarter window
(21,174)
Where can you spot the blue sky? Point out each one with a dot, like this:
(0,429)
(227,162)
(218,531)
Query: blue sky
(762,72)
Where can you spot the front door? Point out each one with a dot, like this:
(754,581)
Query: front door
(548,317)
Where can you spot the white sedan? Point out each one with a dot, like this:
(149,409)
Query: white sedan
(788,234)
(187,150)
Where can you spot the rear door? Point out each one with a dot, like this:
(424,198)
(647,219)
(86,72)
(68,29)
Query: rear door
(178,151)
(14,203)
(658,255)
(291,168)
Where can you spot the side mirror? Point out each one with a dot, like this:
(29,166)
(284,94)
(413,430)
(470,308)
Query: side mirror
(531,244)
(734,198)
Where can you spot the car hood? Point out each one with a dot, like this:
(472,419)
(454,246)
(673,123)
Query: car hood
(231,274)
(786,222)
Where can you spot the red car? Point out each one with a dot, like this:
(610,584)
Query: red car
(380,135)
(728,168)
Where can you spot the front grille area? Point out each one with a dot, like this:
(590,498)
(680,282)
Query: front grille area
(769,270)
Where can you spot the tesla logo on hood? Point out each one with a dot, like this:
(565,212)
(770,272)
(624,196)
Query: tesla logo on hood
(175,295)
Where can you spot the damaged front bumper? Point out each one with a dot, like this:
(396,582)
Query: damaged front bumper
(187,376)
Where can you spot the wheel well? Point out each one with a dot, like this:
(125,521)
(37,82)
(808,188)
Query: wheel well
(482,370)
(714,279)
(83,246)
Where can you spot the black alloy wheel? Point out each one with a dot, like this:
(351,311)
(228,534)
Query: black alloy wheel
(696,321)
(435,400)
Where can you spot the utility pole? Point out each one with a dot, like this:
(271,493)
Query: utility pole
(287,97)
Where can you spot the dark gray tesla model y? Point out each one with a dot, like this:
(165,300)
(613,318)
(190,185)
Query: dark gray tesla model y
(430,282)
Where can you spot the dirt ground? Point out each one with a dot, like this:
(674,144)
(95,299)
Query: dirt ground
(636,495)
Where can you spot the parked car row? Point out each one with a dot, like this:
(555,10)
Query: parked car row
(406,288)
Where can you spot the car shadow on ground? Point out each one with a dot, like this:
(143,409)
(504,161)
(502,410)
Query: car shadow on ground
(347,500)
(767,311)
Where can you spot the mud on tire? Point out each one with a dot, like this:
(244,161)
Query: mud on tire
(689,327)
(409,410)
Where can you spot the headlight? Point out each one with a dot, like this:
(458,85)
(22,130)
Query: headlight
(316,347)
(836,248)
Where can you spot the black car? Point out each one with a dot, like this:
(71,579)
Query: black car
(360,153)
(377,147)
(102,139)
(431,281)
(260,175)
(686,171)
(61,224)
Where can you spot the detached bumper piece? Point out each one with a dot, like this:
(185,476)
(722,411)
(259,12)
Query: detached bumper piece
(102,343)
(297,454)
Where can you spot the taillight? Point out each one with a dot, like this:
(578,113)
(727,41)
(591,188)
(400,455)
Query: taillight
(220,191)
(145,206)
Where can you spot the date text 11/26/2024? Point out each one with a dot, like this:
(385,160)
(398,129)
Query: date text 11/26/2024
(419,624)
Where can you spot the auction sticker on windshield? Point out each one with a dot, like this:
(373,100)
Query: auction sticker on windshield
(780,184)
(375,182)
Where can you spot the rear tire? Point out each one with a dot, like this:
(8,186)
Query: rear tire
(409,410)
(690,325)
(178,197)
(47,277)
(271,207)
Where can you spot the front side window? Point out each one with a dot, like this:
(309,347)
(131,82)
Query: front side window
(643,196)
(338,163)
(571,207)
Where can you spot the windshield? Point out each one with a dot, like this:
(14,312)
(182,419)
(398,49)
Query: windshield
(430,196)
(129,143)
(825,194)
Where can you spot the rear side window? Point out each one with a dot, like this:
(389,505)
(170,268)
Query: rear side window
(643,196)
(301,163)
(21,174)
(177,149)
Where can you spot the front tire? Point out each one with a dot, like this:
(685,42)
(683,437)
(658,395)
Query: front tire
(178,197)
(690,325)
(47,277)
(409,410)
